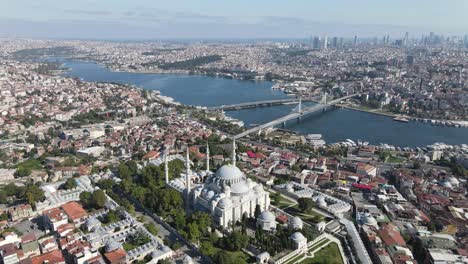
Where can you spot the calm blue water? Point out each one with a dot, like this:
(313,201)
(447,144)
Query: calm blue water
(335,125)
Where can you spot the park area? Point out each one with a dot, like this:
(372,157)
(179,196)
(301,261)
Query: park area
(323,252)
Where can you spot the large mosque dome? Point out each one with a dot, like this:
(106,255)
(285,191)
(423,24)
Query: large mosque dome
(230,174)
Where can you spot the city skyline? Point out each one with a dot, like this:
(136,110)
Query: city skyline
(210,19)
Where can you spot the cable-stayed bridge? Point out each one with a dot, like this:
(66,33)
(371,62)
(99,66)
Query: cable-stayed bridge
(301,112)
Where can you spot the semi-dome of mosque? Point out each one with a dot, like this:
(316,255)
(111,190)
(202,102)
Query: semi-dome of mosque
(112,245)
(230,174)
(258,188)
(225,203)
(267,216)
(295,222)
(239,188)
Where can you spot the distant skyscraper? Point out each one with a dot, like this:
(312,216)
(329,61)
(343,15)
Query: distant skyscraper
(335,42)
(316,43)
(405,41)
(355,41)
(325,42)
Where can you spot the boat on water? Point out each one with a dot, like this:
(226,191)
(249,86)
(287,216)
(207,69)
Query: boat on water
(313,136)
(401,119)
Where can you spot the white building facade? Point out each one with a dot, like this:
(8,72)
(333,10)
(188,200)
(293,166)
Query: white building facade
(228,195)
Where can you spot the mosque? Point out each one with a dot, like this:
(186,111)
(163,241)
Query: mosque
(227,194)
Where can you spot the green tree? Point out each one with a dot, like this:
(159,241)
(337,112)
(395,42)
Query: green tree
(258,211)
(99,199)
(23,171)
(132,166)
(70,184)
(34,194)
(179,219)
(305,204)
(111,217)
(276,198)
(234,241)
(193,231)
(106,184)
(207,249)
(151,227)
(124,171)
(203,220)
(86,198)
(226,257)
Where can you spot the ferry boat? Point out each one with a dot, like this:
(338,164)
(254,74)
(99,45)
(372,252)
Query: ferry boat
(401,119)
(313,136)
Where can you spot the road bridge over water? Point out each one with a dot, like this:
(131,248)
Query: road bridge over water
(264,103)
(300,113)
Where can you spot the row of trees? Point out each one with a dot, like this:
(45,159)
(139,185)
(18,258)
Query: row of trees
(32,193)
(94,200)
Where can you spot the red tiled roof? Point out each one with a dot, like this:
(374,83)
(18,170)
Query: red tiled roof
(74,210)
(151,155)
(251,154)
(54,256)
(116,256)
(391,236)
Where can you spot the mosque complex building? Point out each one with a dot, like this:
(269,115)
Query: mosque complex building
(227,195)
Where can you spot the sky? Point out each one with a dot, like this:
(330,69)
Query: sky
(229,19)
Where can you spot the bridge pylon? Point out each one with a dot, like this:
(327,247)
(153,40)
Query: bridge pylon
(324,98)
(300,104)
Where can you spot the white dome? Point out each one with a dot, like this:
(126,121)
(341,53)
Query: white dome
(187,260)
(209,195)
(230,173)
(225,203)
(321,202)
(454,181)
(239,188)
(289,188)
(297,237)
(295,222)
(368,219)
(258,188)
(267,216)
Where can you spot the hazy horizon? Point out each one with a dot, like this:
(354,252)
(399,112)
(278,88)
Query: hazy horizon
(153,20)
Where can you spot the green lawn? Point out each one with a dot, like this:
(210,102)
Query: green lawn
(128,246)
(32,164)
(395,159)
(297,258)
(311,217)
(328,255)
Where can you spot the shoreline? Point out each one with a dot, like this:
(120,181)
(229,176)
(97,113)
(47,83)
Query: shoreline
(436,122)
